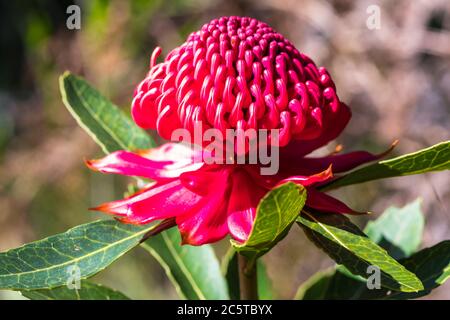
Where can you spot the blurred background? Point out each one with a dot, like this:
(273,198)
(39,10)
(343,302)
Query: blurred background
(396,78)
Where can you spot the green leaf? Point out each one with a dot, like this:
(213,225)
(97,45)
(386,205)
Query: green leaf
(317,286)
(435,158)
(230,269)
(336,284)
(265,289)
(431,265)
(51,262)
(194,271)
(398,230)
(275,214)
(349,246)
(101,119)
(87,291)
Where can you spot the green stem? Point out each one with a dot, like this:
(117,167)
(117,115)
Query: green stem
(248,283)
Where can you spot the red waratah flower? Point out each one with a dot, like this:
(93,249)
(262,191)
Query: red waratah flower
(235,73)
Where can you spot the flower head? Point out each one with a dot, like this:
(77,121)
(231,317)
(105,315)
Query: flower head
(237,72)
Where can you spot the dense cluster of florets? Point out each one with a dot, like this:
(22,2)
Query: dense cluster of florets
(236,73)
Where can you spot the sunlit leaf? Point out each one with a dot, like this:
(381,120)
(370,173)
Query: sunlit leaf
(101,119)
(399,230)
(434,158)
(82,251)
(275,214)
(431,265)
(349,246)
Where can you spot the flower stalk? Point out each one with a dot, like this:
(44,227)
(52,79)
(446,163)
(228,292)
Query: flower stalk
(248,278)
